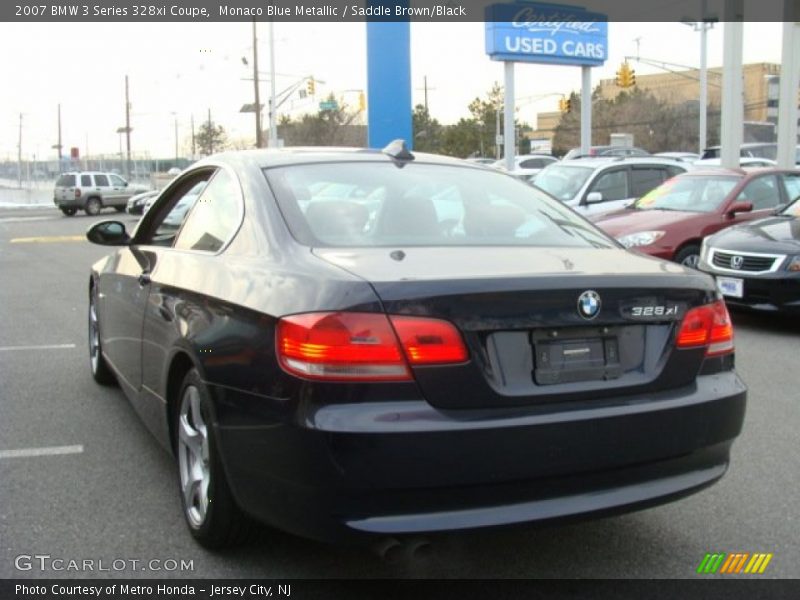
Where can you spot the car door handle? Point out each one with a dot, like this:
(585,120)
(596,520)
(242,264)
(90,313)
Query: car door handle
(144,279)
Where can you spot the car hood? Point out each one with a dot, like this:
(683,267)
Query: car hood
(770,235)
(623,222)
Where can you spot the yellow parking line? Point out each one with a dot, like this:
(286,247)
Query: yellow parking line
(51,238)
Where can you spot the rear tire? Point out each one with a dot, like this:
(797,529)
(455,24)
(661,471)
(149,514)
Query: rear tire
(101,372)
(688,256)
(69,211)
(211,513)
(93,206)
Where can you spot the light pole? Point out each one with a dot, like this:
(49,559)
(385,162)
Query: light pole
(273,127)
(702,27)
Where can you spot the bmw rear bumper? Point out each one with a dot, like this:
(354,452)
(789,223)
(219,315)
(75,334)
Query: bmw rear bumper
(351,470)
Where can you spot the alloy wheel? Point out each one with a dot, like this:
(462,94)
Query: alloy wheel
(193,456)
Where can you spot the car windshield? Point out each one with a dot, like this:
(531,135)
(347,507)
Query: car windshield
(704,194)
(421,205)
(66,181)
(561,181)
(793,210)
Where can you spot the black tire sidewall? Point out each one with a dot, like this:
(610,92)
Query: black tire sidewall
(687,251)
(93,202)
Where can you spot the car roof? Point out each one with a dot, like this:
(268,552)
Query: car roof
(89,173)
(738,172)
(603,161)
(276,157)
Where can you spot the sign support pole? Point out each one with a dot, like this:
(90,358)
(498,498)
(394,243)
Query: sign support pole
(731,126)
(787,106)
(508,122)
(586,109)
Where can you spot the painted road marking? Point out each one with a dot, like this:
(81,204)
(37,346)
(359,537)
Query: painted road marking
(50,238)
(22,219)
(50,451)
(48,347)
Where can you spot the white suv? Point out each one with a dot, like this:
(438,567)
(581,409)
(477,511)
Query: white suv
(594,186)
(91,191)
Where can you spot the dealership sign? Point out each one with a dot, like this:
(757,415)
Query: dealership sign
(546,33)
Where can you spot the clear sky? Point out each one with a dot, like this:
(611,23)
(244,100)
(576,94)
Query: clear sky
(177,70)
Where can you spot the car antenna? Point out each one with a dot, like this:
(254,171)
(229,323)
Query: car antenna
(398,152)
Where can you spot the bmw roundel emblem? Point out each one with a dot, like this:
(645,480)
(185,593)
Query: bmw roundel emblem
(589,304)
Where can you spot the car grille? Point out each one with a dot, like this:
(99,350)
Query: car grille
(738,261)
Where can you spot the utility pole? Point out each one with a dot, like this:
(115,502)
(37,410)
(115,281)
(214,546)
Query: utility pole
(127,131)
(19,154)
(210,134)
(59,135)
(176,140)
(273,126)
(255,85)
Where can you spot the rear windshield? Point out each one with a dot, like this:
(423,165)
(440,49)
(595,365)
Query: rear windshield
(66,181)
(368,204)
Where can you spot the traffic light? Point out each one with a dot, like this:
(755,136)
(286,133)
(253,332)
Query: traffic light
(568,105)
(563,103)
(311,86)
(362,102)
(626,77)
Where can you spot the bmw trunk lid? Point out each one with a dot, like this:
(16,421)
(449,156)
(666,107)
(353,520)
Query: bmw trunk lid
(540,324)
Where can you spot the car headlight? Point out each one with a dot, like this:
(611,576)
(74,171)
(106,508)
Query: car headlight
(794,264)
(642,238)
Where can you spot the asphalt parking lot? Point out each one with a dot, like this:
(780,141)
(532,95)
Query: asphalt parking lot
(110,492)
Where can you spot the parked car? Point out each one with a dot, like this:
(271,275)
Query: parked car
(137,203)
(744,161)
(671,221)
(757,264)
(526,164)
(688,156)
(594,186)
(343,368)
(606,151)
(753,150)
(92,191)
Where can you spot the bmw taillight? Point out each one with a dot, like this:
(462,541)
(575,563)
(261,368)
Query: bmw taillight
(350,346)
(710,326)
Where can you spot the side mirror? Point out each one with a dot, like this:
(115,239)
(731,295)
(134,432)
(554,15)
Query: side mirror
(125,184)
(594,198)
(739,207)
(108,233)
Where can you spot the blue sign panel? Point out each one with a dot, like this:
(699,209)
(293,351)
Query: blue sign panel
(546,33)
(388,80)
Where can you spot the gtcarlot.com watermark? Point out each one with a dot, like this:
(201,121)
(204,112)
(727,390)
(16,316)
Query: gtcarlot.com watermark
(47,562)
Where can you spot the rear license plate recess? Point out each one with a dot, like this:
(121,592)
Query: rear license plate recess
(575,355)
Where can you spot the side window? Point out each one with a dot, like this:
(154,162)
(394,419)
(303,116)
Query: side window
(762,192)
(673,171)
(215,216)
(86,181)
(101,181)
(532,163)
(612,184)
(165,217)
(791,183)
(645,179)
(117,181)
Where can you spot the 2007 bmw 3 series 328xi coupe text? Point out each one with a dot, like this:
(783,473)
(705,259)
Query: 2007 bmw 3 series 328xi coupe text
(349,343)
